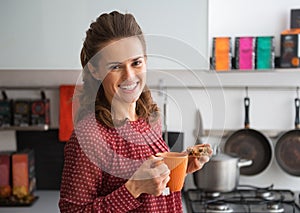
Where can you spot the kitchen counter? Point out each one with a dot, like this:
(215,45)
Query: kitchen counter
(47,203)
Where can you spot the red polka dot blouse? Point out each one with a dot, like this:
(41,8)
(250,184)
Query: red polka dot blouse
(99,161)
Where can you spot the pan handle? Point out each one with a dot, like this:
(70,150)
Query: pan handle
(244,162)
(297,106)
(247,104)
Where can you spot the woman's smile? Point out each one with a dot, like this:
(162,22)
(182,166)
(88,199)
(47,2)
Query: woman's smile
(129,88)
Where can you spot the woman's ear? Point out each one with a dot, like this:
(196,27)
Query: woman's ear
(93,71)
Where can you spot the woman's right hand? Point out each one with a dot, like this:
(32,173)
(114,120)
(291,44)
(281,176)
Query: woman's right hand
(150,178)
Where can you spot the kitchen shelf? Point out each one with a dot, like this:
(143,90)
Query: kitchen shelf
(26,128)
(276,70)
(29,88)
(233,71)
(280,79)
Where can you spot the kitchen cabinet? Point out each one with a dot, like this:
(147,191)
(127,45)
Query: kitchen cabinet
(45,42)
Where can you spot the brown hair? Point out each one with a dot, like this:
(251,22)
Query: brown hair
(106,28)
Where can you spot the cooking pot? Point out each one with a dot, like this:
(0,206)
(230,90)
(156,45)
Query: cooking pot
(220,174)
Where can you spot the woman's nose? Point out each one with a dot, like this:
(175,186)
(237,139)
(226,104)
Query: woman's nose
(129,72)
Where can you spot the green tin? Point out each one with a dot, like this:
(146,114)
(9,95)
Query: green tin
(265,55)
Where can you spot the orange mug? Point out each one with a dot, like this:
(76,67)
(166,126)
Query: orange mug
(177,163)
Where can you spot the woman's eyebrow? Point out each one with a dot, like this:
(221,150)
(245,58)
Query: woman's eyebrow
(112,63)
(117,63)
(137,58)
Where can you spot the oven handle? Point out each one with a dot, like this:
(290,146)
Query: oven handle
(255,187)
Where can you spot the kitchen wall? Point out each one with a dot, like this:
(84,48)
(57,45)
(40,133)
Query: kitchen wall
(37,50)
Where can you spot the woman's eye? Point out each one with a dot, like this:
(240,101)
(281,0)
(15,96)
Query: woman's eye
(116,67)
(137,63)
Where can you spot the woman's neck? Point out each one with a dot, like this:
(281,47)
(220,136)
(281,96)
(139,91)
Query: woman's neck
(123,111)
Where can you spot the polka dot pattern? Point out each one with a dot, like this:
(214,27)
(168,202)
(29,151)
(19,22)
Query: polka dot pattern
(99,161)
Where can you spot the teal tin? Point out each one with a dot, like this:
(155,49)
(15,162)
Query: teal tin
(265,54)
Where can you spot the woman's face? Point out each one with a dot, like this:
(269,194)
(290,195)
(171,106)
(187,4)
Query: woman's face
(122,67)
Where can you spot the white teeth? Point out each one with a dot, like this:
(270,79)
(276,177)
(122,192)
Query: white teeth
(128,87)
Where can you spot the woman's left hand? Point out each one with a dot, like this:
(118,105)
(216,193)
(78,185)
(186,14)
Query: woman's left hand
(196,163)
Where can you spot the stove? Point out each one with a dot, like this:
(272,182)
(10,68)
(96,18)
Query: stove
(244,199)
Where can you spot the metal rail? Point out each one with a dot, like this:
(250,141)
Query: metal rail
(227,132)
(281,88)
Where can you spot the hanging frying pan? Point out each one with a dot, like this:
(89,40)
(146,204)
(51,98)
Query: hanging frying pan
(250,144)
(287,149)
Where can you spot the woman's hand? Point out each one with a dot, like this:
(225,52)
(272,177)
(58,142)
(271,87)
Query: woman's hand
(196,163)
(151,178)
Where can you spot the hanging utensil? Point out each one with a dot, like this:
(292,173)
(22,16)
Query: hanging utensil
(287,149)
(250,144)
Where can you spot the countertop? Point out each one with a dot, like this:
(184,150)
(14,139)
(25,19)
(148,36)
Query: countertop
(47,203)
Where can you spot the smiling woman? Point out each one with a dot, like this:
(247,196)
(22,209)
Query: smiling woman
(110,163)
(114,48)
